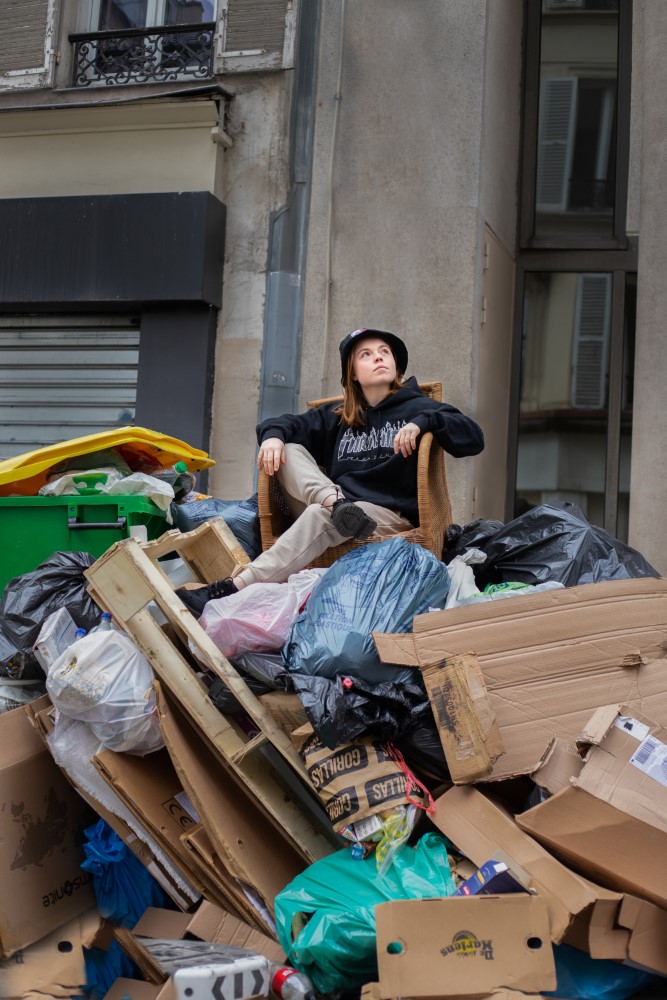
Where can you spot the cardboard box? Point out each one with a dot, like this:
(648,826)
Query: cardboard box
(371,991)
(54,966)
(480,828)
(139,989)
(41,824)
(208,923)
(473,944)
(550,659)
(611,823)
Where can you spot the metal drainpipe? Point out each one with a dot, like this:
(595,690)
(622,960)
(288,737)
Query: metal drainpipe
(283,313)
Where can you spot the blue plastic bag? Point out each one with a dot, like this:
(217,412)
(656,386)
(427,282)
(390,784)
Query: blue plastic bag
(123,886)
(377,588)
(580,977)
(103,968)
(241,516)
(326,916)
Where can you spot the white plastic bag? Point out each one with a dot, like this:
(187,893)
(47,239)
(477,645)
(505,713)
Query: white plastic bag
(104,680)
(461,577)
(259,617)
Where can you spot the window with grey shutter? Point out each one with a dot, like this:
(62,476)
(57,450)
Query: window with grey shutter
(256,34)
(591,341)
(558,108)
(26,43)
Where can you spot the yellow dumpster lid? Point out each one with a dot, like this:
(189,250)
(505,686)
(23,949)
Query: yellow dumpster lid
(141,448)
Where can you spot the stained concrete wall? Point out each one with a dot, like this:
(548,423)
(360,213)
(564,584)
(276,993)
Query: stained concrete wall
(415,147)
(253,185)
(648,486)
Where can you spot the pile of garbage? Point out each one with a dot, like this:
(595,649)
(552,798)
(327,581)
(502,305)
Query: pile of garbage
(401,776)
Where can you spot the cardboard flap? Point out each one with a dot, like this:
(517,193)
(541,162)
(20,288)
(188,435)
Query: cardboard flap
(598,725)
(464,716)
(396,649)
(605,843)
(474,944)
(560,764)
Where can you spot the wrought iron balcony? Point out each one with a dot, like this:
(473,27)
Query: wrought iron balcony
(144,55)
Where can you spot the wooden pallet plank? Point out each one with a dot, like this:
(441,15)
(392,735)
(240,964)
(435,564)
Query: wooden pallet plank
(124,577)
(211,551)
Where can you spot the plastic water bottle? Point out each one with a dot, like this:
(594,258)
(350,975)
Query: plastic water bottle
(178,477)
(105,622)
(288,984)
(79,634)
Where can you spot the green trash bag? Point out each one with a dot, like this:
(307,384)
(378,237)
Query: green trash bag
(326,915)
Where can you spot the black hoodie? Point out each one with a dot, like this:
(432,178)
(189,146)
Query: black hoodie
(361,461)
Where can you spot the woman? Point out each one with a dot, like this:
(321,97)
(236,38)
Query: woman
(367,446)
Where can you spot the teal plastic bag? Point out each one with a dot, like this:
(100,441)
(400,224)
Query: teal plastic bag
(326,915)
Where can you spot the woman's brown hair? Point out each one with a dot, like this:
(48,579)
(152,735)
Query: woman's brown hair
(351,410)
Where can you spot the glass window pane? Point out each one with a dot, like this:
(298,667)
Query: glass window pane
(117,15)
(576,144)
(189,11)
(563,416)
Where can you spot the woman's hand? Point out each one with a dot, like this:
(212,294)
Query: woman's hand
(406,439)
(271,455)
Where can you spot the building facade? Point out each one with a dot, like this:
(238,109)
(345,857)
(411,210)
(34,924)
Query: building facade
(198,199)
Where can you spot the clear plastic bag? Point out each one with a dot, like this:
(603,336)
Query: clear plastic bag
(104,680)
(258,619)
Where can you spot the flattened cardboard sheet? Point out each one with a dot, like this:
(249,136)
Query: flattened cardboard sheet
(247,843)
(41,839)
(550,659)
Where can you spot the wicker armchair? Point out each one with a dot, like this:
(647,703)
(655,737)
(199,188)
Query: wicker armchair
(435,512)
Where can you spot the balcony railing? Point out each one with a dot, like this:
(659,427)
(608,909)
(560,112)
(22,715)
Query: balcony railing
(144,55)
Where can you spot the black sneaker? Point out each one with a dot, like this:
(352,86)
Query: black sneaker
(196,599)
(351,521)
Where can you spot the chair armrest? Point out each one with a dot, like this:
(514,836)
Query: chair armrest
(435,509)
(274,517)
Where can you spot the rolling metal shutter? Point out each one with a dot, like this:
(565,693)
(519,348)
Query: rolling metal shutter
(64,377)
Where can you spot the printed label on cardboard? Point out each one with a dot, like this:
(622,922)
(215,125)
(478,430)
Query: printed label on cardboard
(651,759)
(466,944)
(632,727)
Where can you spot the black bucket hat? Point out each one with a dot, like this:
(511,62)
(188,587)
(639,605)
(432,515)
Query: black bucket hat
(398,348)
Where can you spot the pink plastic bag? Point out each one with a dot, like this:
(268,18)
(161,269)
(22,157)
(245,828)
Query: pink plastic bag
(259,617)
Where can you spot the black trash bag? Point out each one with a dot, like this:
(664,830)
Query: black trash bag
(241,516)
(29,599)
(473,535)
(422,750)
(262,672)
(343,709)
(557,543)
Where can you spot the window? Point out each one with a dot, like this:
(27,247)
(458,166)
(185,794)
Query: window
(142,41)
(111,15)
(572,415)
